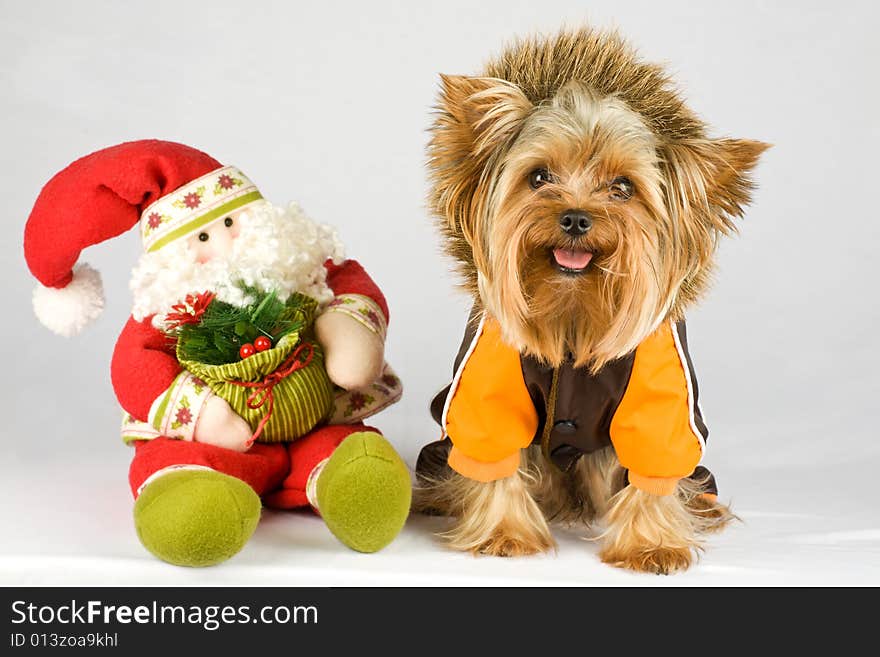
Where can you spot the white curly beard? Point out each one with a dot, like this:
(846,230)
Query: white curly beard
(278,249)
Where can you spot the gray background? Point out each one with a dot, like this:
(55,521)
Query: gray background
(328,103)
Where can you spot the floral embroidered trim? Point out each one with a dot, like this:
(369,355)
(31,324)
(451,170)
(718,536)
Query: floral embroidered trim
(133,430)
(363,309)
(174,413)
(352,406)
(195,205)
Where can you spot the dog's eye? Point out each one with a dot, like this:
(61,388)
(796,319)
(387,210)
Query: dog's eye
(228,222)
(621,189)
(204,237)
(539,178)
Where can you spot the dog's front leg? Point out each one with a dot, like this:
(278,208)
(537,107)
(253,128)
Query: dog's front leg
(499,518)
(650,533)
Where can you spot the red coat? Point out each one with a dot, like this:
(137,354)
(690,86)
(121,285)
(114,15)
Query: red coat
(144,365)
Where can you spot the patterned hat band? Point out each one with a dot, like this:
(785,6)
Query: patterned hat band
(195,205)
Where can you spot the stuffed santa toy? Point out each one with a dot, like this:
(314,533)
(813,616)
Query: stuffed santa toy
(280,425)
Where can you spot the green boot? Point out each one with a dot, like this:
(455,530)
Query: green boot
(196,517)
(364,492)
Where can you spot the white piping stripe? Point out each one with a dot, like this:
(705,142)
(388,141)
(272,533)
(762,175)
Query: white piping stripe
(312,483)
(690,389)
(702,414)
(457,378)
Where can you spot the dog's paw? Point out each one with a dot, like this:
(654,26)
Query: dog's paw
(711,515)
(502,544)
(659,560)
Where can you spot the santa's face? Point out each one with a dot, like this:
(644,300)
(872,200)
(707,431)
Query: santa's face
(261,245)
(215,240)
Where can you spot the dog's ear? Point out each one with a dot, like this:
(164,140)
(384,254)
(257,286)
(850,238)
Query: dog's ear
(710,179)
(476,116)
(484,111)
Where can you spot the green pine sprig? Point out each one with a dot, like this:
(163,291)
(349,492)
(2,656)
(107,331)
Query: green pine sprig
(223,328)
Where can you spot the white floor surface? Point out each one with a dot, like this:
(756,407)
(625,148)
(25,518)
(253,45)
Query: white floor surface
(69,526)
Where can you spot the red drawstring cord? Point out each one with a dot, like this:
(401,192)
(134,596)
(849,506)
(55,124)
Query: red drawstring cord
(262,390)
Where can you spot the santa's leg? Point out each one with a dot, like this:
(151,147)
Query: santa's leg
(354,478)
(197,504)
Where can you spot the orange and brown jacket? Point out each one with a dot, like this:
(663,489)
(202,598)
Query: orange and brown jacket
(645,404)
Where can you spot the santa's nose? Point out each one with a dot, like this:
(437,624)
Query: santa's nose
(222,237)
(214,241)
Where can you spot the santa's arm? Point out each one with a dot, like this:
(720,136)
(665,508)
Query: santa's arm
(349,281)
(150,384)
(143,367)
(352,326)
(152,387)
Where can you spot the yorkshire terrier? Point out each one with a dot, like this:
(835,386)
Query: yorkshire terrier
(583,203)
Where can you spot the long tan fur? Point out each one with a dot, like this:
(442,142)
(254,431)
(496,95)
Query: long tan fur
(511,517)
(659,534)
(500,518)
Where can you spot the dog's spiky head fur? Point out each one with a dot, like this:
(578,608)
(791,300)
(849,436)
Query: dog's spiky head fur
(576,125)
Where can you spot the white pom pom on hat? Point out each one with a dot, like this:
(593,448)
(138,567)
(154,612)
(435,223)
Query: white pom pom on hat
(68,310)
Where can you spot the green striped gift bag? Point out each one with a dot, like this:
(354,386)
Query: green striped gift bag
(283,392)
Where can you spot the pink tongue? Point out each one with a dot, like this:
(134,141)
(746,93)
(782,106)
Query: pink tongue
(572,259)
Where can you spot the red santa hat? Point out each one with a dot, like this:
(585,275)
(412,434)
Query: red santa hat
(171,189)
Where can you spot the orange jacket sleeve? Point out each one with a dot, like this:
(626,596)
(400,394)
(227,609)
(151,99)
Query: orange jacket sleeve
(489,415)
(655,431)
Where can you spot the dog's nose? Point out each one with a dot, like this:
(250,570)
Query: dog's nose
(575,222)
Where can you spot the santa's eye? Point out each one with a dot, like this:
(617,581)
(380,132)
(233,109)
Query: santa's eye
(539,178)
(228,222)
(204,237)
(621,189)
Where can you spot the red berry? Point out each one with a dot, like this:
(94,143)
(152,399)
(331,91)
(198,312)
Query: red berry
(262,343)
(247,350)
